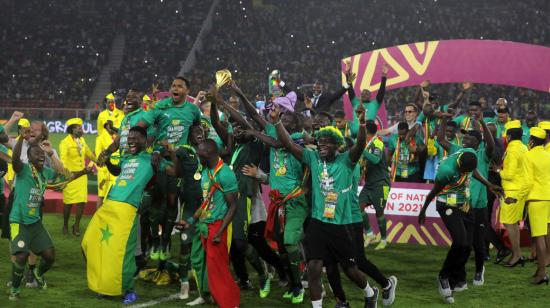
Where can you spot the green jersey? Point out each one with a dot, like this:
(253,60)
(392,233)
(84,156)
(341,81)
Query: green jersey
(212,134)
(136,172)
(173,121)
(130,120)
(332,187)
(371,107)
(286,171)
(29,194)
(464,122)
(374,164)
(456,184)
(404,162)
(442,153)
(526,134)
(356,215)
(191,169)
(4,150)
(478,191)
(226,183)
(249,153)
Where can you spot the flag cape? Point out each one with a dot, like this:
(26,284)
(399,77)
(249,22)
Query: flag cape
(109,246)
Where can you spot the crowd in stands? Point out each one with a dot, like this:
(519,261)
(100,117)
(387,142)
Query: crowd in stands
(306,41)
(159,36)
(52,53)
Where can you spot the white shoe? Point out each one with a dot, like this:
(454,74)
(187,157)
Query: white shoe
(198,301)
(449,300)
(184,290)
(479,278)
(388,296)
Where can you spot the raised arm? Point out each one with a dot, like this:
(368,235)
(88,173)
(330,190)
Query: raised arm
(445,144)
(272,142)
(489,141)
(382,89)
(357,149)
(215,118)
(465,87)
(13,120)
(250,109)
(56,164)
(283,135)
(331,98)
(16,162)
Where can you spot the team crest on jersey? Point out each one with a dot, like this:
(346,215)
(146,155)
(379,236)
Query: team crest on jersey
(176,122)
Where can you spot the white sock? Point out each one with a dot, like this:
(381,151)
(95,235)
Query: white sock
(317,304)
(368,291)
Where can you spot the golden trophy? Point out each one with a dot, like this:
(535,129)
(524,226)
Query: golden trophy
(223,77)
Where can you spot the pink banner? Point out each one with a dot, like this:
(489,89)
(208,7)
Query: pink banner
(452,61)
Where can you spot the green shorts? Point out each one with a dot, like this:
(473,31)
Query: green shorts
(187,210)
(296,212)
(241,219)
(33,237)
(375,196)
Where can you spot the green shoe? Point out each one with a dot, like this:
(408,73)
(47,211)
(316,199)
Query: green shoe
(164,255)
(264,292)
(287,295)
(298,298)
(14,294)
(40,279)
(154,255)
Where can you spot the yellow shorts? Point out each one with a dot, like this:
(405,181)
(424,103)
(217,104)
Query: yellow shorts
(539,216)
(511,213)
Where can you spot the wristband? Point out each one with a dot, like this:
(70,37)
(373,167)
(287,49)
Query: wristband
(277,123)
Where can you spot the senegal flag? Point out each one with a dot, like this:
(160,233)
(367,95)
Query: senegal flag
(109,246)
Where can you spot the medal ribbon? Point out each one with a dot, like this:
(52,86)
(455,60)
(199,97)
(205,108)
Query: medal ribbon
(235,155)
(395,159)
(213,187)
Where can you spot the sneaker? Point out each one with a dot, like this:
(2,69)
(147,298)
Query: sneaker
(164,255)
(154,255)
(381,245)
(14,294)
(372,302)
(40,279)
(163,278)
(342,305)
(479,277)
(502,254)
(184,290)
(287,295)
(129,297)
(30,281)
(368,238)
(197,301)
(148,274)
(266,288)
(444,287)
(283,283)
(449,300)
(460,286)
(388,294)
(298,296)
(245,285)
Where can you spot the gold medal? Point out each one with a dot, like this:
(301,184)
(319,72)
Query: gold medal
(197,176)
(282,170)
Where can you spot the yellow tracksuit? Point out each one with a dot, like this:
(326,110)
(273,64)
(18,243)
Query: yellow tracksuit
(535,189)
(73,154)
(512,179)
